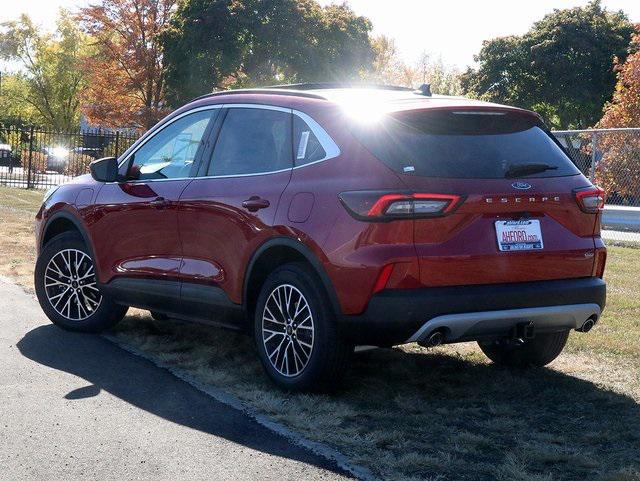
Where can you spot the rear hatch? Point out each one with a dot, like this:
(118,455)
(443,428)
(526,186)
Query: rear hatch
(518,218)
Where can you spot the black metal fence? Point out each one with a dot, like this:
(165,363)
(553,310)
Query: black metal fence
(32,157)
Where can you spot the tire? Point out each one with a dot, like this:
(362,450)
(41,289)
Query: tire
(74,305)
(539,351)
(315,356)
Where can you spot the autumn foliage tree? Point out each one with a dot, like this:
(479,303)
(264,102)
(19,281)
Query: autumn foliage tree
(126,81)
(389,68)
(618,170)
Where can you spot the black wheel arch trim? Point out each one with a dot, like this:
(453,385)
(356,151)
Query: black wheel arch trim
(63,214)
(307,253)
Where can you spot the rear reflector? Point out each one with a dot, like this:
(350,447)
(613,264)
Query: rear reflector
(591,199)
(599,262)
(381,206)
(383,278)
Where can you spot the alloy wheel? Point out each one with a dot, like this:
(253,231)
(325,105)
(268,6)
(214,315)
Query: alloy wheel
(287,330)
(70,285)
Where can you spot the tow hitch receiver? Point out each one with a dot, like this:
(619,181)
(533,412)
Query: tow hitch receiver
(523,330)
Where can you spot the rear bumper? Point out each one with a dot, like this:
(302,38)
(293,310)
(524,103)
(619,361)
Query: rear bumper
(476,312)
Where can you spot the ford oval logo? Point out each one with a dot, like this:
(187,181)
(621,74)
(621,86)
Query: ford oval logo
(521,185)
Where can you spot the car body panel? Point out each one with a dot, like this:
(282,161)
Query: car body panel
(133,237)
(215,226)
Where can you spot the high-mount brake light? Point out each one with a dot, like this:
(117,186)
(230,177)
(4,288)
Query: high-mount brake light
(590,200)
(383,206)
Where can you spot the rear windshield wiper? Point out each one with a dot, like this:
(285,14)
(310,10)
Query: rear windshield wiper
(521,170)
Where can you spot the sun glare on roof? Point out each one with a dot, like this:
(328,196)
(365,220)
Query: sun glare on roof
(362,108)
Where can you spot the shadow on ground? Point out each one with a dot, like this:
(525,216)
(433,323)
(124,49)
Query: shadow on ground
(137,381)
(406,415)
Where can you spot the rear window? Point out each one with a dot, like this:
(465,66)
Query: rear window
(465,144)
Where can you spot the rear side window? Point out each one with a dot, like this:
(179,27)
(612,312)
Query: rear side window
(307,146)
(253,141)
(465,144)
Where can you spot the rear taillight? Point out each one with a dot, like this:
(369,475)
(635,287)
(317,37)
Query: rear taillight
(591,199)
(384,205)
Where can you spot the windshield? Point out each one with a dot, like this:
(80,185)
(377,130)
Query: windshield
(467,144)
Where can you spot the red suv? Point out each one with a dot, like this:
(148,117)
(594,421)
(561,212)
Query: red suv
(322,217)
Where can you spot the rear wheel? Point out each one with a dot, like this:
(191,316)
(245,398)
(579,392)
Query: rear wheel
(296,334)
(539,351)
(67,289)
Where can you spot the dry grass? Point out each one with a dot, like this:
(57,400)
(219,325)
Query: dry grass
(17,245)
(442,414)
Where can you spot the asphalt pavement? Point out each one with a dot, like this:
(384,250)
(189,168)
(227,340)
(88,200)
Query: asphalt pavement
(76,406)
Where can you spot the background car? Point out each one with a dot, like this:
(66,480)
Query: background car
(7,158)
(57,158)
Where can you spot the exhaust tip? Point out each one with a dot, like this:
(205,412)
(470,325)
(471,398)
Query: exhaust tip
(587,326)
(435,339)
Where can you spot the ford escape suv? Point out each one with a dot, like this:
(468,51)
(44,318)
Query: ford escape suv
(321,217)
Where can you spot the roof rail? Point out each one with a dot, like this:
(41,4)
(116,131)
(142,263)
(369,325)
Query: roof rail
(280,90)
(339,85)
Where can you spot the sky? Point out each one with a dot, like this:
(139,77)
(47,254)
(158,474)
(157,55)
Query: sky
(453,30)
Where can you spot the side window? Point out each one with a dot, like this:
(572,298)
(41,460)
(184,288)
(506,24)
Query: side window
(170,153)
(307,146)
(252,141)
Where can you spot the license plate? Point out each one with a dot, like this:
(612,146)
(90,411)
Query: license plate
(519,235)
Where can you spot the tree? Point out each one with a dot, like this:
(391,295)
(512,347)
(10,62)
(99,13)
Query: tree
(214,44)
(389,68)
(14,107)
(618,170)
(386,66)
(560,67)
(52,67)
(126,68)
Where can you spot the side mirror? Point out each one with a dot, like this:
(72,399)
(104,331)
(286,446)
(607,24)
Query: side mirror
(105,169)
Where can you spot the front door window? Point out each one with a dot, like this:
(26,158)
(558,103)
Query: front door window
(171,152)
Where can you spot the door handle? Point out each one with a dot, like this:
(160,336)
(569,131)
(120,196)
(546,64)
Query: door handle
(159,202)
(255,203)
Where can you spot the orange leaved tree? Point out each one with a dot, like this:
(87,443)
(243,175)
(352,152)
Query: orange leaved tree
(618,170)
(125,71)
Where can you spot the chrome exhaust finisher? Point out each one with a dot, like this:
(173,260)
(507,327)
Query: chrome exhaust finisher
(435,339)
(475,325)
(587,326)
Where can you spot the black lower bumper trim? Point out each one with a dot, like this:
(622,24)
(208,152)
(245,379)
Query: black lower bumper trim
(393,315)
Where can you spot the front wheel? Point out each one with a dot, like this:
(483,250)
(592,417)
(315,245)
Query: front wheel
(296,333)
(539,351)
(67,290)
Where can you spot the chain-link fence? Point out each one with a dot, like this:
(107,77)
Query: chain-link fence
(611,159)
(31,157)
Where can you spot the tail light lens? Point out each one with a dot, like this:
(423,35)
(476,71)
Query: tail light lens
(591,199)
(385,206)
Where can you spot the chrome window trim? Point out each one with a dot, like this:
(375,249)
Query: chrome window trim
(330,147)
(331,150)
(154,131)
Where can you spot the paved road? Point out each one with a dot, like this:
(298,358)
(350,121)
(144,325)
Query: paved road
(76,406)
